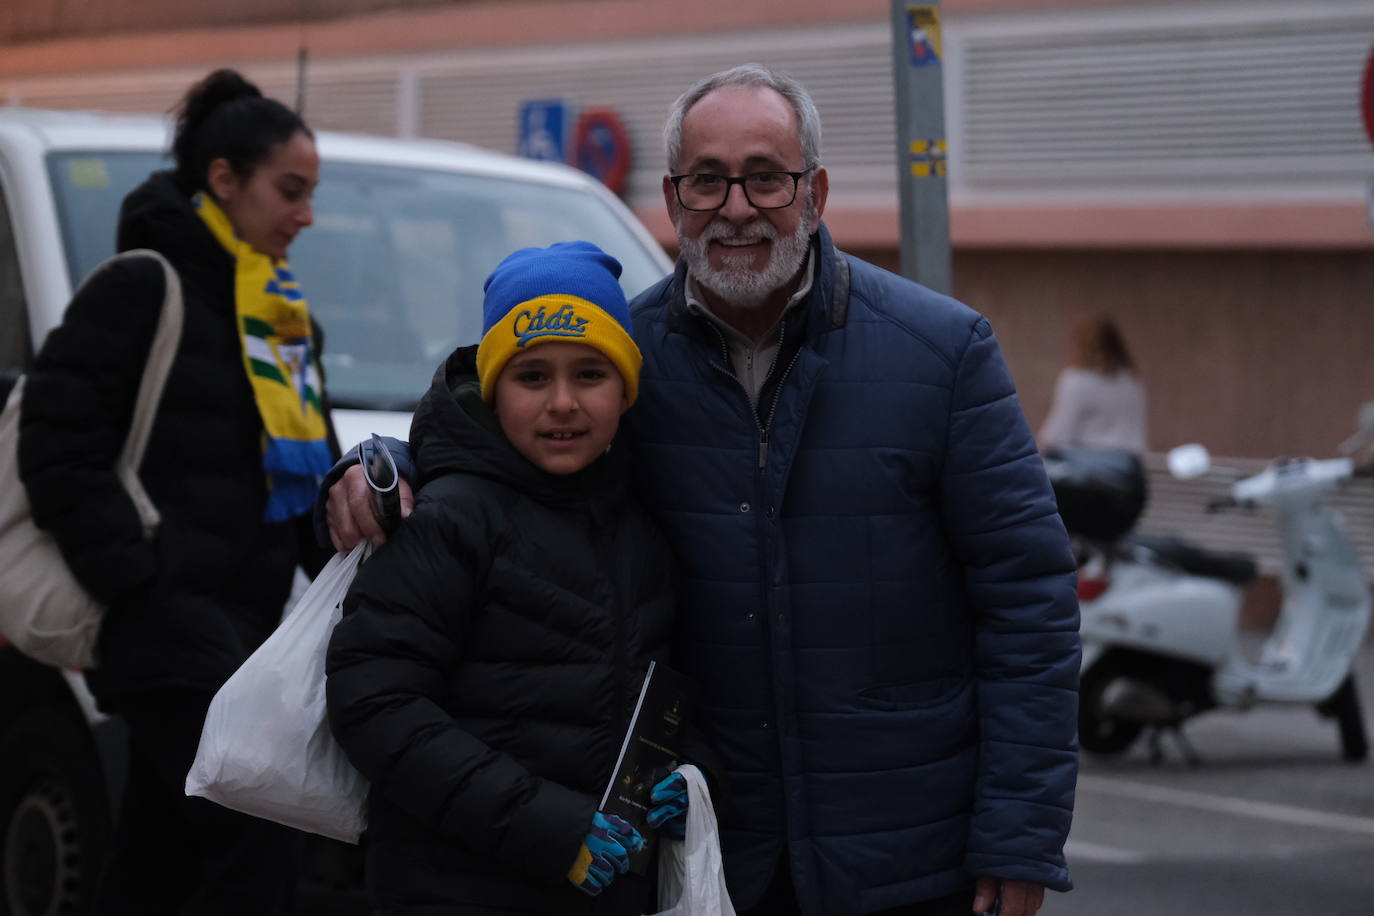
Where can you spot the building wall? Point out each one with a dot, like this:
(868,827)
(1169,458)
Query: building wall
(1251,353)
(27,21)
(1196,170)
(1071,124)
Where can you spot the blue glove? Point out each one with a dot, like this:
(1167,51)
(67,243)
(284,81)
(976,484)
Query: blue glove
(605,853)
(669,806)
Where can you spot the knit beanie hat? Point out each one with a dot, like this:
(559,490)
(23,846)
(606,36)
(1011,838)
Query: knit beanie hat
(568,292)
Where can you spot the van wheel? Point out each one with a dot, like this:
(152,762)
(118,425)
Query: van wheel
(1344,707)
(54,817)
(1097,733)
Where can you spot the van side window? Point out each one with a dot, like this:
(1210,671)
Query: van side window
(15,348)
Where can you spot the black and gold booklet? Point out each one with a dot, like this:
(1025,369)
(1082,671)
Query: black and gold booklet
(653,747)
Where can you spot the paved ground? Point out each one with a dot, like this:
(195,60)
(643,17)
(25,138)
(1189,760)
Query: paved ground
(1272,822)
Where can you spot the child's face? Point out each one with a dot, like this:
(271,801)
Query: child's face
(560,404)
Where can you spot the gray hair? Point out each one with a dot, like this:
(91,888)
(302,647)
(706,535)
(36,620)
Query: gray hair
(754,75)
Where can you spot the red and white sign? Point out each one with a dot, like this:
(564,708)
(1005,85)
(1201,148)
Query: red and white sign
(601,147)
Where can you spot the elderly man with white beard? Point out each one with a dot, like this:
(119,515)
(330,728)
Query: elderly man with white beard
(877,596)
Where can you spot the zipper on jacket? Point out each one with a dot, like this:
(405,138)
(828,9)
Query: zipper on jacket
(768,424)
(606,557)
(604,549)
(762,425)
(724,350)
(777,393)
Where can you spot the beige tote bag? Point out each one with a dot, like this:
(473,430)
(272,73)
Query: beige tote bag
(44,611)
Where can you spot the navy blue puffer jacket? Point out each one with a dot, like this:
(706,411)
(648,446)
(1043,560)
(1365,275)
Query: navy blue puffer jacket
(878,594)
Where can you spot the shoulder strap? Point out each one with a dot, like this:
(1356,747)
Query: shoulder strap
(162,352)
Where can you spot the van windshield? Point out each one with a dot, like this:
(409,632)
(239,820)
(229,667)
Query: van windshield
(394,264)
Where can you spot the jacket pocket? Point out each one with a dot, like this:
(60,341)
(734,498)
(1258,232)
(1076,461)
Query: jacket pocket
(922,694)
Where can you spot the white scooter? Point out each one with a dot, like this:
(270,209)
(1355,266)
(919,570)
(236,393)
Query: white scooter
(1160,618)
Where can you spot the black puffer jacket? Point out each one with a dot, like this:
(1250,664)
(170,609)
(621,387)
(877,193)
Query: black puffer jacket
(485,665)
(188,607)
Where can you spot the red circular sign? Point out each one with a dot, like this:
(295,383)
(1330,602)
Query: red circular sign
(601,147)
(1367,96)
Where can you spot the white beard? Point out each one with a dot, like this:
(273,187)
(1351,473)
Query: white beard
(737,282)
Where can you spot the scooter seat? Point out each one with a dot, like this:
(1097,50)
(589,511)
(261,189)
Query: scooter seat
(1236,568)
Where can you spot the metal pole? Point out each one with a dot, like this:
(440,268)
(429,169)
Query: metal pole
(301,56)
(408,103)
(918,71)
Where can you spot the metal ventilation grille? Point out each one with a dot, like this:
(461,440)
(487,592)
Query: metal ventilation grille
(140,93)
(849,75)
(1135,103)
(1221,104)
(149,98)
(364,104)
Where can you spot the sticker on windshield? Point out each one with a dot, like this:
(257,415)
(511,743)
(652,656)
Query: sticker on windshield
(88,173)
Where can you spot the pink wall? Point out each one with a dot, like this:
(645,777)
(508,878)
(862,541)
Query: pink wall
(453,25)
(152,33)
(1253,353)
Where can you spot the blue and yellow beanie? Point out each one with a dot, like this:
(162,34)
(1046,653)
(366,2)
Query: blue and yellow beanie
(568,292)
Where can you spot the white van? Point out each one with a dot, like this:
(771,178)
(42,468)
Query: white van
(405,232)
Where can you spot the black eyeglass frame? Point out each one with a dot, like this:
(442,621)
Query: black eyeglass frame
(732,180)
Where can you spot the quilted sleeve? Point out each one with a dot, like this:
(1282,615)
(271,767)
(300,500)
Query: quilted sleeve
(1019,574)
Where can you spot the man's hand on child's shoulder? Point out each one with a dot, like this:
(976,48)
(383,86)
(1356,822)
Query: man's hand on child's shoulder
(349,510)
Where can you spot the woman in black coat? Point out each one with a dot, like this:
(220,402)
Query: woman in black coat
(187,607)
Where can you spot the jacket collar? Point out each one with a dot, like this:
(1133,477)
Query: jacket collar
(158,214)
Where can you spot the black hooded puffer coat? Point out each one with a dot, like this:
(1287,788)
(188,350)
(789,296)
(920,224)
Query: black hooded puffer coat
(486,663)
(188,607)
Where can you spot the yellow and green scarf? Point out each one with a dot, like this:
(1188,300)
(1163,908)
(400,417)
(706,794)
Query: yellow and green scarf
(278,354)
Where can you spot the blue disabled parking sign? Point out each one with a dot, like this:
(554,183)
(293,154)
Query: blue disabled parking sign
(543,130)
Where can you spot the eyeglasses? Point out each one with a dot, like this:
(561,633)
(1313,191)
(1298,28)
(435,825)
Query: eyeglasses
(379,471)
(771,190)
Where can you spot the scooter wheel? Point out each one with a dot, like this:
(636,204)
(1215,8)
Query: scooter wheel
(1344,707)
(1099,734)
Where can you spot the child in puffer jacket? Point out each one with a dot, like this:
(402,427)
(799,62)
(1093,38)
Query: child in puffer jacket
(490,653)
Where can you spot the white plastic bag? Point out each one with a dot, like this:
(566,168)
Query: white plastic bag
(691,876)
(266,748)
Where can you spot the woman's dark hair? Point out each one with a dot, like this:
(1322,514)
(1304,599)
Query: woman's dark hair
(226,117)
(1098,345)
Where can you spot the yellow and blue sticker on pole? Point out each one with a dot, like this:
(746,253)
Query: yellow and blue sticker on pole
(929,158)
(923,30)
